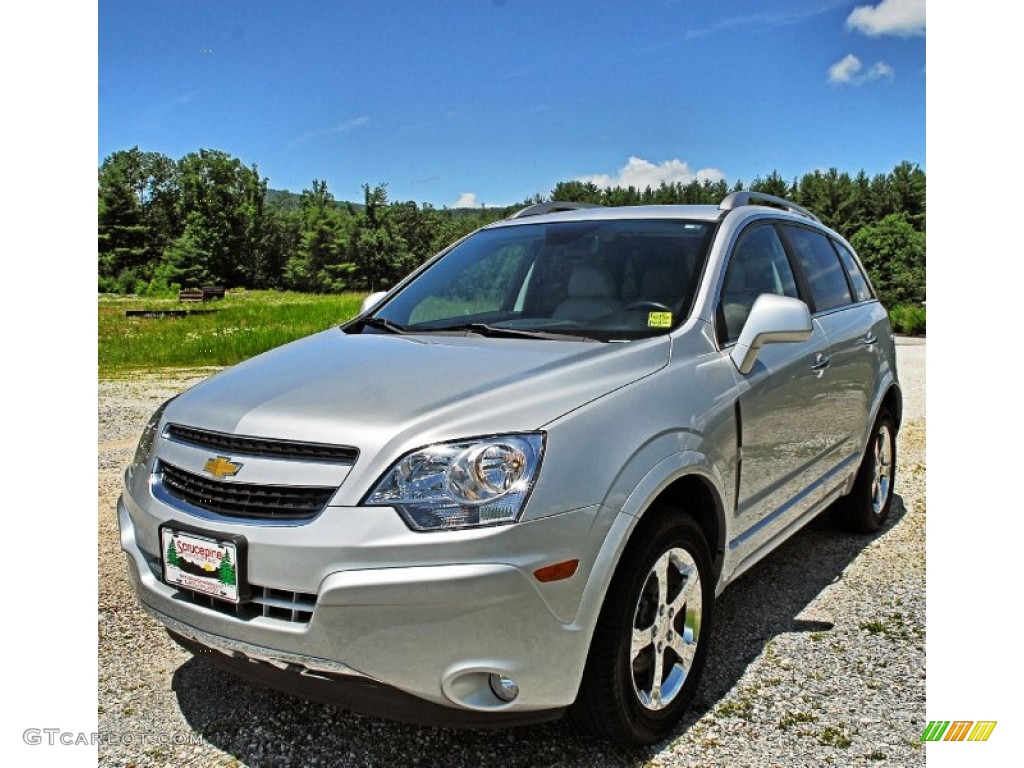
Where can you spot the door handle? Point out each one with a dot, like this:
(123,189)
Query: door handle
(821,362)
(869,339)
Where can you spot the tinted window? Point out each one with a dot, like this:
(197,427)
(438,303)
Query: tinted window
(861,289)
(602,279)
(825,275)
(484,286)
(758,265)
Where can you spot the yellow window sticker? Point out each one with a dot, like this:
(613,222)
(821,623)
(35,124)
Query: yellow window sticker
(659,319)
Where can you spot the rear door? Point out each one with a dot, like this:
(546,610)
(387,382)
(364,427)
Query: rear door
(847,312)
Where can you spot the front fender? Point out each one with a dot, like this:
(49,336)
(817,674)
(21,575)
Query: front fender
(670,469)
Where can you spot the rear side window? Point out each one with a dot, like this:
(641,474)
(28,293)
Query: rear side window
(826,277)
(758,265)
(861,289)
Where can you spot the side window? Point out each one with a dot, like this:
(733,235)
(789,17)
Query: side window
(758,265)
(861,288)
(825,275)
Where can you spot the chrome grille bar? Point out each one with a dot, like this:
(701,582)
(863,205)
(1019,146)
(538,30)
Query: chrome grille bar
(280,502)
(261,446)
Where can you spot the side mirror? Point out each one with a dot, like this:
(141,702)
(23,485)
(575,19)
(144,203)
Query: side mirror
(772,319)
(372,301)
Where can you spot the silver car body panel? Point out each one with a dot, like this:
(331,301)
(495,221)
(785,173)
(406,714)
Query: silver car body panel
(429,613)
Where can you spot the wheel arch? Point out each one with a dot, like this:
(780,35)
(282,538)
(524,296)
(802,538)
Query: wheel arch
(693,494)
(892,401)
(688,483)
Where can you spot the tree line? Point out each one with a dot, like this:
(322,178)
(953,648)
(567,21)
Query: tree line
(210,219)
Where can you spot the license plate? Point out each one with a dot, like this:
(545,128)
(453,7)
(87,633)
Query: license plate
(204,564)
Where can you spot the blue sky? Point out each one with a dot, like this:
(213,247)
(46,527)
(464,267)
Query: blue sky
(491,101)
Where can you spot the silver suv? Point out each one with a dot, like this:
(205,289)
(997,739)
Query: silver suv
(514,485)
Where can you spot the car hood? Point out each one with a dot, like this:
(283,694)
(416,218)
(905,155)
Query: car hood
(395,393)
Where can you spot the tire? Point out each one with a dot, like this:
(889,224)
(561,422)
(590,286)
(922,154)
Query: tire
(866,507)
(618,698)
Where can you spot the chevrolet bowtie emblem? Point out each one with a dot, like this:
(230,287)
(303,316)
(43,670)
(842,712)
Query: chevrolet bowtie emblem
(221,466)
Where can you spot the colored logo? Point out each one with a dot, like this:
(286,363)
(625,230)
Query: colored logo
(958,730)
(221,466)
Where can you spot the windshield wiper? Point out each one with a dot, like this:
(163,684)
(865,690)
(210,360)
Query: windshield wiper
(484,329)
(383,324)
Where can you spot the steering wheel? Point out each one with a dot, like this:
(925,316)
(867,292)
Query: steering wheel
(656,306)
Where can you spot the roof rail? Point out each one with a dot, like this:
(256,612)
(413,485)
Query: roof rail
(739,199)
(553,207)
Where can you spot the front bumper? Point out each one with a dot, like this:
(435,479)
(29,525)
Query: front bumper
(349,691)
(427,632)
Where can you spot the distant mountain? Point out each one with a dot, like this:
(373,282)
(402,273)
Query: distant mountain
(289,201)
(283,198)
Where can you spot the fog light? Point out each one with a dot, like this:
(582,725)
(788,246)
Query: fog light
(505,688)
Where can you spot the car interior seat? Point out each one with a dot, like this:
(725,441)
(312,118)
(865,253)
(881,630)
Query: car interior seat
(591,294)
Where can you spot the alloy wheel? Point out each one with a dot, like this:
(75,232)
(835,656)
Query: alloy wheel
(881,484)
(666,629)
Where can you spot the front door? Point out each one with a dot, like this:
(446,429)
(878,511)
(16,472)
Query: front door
(785,409)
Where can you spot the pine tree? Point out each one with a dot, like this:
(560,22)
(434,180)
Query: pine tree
(172,554)
(227,570)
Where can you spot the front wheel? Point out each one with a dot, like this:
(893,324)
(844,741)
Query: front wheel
(651,640)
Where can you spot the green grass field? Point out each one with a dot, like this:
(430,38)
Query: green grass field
(246,323)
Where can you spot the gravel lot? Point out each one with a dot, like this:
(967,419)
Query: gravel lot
(818,655)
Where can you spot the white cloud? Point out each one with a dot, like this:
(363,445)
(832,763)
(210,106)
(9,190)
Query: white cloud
(849,70)
(641,173)
(470,200)
(844,70)
(773,17)
(902,18)
(355,122)
(342,127)
(879,70)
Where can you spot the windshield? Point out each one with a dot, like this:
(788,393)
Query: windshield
(600,280)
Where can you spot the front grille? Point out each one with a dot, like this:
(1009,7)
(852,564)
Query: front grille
(270,603)
(276,502)
(283,604)
(261,446)
(280,604)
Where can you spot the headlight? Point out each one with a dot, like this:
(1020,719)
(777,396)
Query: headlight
(467,484)
(145,448)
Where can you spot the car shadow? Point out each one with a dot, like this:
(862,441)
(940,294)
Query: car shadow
(767,600)
(261,727)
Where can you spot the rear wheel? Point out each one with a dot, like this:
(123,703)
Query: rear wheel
(651,640)
(866,507)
